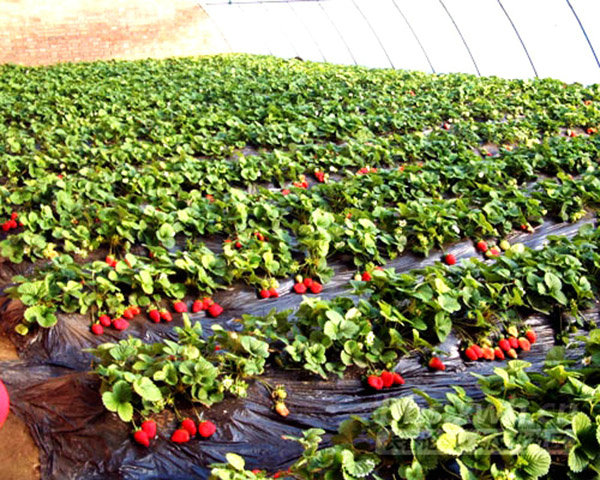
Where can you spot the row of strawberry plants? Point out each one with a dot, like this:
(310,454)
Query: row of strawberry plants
(394,315)
(527,426)
(140,280)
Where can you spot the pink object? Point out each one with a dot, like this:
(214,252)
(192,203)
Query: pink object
(4,403)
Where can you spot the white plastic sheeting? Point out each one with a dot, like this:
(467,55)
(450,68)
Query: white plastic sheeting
(507,38)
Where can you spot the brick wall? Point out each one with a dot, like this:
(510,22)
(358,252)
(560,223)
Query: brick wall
(41,32)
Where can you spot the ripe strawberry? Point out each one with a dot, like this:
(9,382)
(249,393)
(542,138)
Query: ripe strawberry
(300,288)
(488,353)
(273,293)
(97,329)
(135,309)
(471,354)
(478,351)
(524,344)
(128,314)
(12,224)
(504,344)
(120,324)
(387,378)
(450,259)
(286,191)
(282,409)
(436,364)
(14,215)
(104,320)
(207,301)
(524,227)
(206,429)
(217,348)
(494,252)
(320,176)
(375,382)
(316,287)
(210,198)
(366,277)
(446,126)
(180,307)
(498,353)
(197,306)
(264,293)
(166,316)
(259,236)
(180,436)
(514,343)
(189,425)
(110,260)
(531,336)
(215,310)
(398,380)
(238,245)
(149,426)
(5,227)
(482,246)
(141,437)
(592,130)
(308,282)
(512,353)
(154,315)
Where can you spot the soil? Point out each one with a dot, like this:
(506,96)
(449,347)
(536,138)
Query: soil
(19,456)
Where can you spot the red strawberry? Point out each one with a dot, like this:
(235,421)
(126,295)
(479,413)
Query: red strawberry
(166,315)
(128,313)
(504,344)
(488,353)
(260,236)
(512,353)
(154,315)
(375,382)
(471,354)
(436,364)
(398,380)
(120,324)
(180,436)
(320,176)
(180,307)
(264,293)
(135,309)
(215,310)
(110,260)
(149,426)
(366,277)
(210,198)
(14,215)
(217,348)
(5,227)
(482,246)
(273,293)
(524,227)
(207,302)
(478,351)
(238,245)
(514,343)
(189,425)
(97,329)
(316,287)
(494,252)
(286,191)
(141,437)
(197,306)
(206,429)
(446,126)
(104,320)
(498,353)
(12,224)
(524,344)
(300,288)
(387,378)
(531,336)
(450,259)
(308,282)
